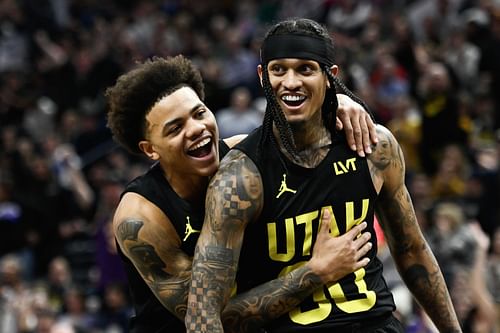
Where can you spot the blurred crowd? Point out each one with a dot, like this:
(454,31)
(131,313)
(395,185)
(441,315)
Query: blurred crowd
(428,69)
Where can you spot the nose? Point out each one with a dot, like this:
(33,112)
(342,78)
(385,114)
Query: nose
(195,128)
(291,80)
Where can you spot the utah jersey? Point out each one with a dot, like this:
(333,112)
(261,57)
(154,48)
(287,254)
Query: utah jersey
(151,316)
(283,236)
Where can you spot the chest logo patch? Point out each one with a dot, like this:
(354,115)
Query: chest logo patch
(189,230)
(284,187)
(344,167)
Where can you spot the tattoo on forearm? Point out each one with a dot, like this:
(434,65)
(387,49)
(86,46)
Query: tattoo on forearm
(399,214)
(251,310)
(216,271)
(432,294)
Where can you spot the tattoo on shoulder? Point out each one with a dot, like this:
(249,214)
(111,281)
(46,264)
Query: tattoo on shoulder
(235,192)
(386,153)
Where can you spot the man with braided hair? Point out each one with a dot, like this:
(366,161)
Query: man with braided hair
(156,110)
(253,239)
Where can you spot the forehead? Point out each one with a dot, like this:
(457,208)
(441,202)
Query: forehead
(185,95)
(175,104)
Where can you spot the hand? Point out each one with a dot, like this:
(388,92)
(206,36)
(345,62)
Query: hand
(335,257)
(357,124)
(482,239)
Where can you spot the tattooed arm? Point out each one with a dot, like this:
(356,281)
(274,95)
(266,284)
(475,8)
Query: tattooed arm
(332,259)
(414,259)
(234,199)
(147,237)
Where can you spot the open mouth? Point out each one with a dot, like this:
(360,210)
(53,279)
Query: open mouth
(293,100)
(202,149)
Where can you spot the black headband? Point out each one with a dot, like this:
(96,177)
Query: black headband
(297,46)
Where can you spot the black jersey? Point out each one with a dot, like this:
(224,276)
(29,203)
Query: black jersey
(150,315)
(283,237)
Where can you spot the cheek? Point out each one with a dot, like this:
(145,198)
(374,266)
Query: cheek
(275,82)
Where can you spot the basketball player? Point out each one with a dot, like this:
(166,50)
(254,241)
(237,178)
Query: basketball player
(302,169)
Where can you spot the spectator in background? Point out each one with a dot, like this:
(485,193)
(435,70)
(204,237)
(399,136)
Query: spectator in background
(489,65)
(461,249)
(453,171)
(389,82)
(59,281)
(439,107)
(116,310)
(405,124)
(481,317)
(240,117)
(493,273)
(17,233)
(75,312)
(349,17)
(16,294)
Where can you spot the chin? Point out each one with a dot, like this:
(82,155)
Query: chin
(296,122)
(209,170)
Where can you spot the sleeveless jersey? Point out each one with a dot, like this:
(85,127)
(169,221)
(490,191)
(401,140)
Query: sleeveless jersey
(283,237)
(150,315)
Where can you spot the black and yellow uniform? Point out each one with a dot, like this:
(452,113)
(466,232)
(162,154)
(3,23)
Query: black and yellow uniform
(283,237)
(150,315)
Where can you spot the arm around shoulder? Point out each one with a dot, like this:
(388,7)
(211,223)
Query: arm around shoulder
(234,198)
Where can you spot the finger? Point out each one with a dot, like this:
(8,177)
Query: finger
(372,128)
(338,124)
(365,249)
(362,240)
(325,222)
(358,137)
(356,230)
(365,135)
(349,132)
(362,263)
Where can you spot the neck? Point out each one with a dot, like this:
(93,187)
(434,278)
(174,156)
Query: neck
(190,188)
(312,141)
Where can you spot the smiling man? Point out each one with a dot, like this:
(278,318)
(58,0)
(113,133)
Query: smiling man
(157,110)
(304,169)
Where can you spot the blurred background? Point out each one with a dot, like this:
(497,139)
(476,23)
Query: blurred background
(428,69)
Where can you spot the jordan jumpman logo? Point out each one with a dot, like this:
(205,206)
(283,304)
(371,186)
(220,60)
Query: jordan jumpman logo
(284,188)
(189,230)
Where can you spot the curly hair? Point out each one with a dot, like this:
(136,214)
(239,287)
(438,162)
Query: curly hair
(137,91)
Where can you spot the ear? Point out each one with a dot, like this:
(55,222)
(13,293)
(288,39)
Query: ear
(259,72)
(147,148)
(335,70)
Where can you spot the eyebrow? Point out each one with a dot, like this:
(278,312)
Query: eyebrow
(178,119)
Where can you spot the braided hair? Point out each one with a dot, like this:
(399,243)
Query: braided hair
(274,114)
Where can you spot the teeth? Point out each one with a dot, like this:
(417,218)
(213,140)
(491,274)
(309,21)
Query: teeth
(292,98)
(200,144)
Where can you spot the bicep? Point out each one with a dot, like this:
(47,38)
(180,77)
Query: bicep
(234,198)
(153,248)
(394,207)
